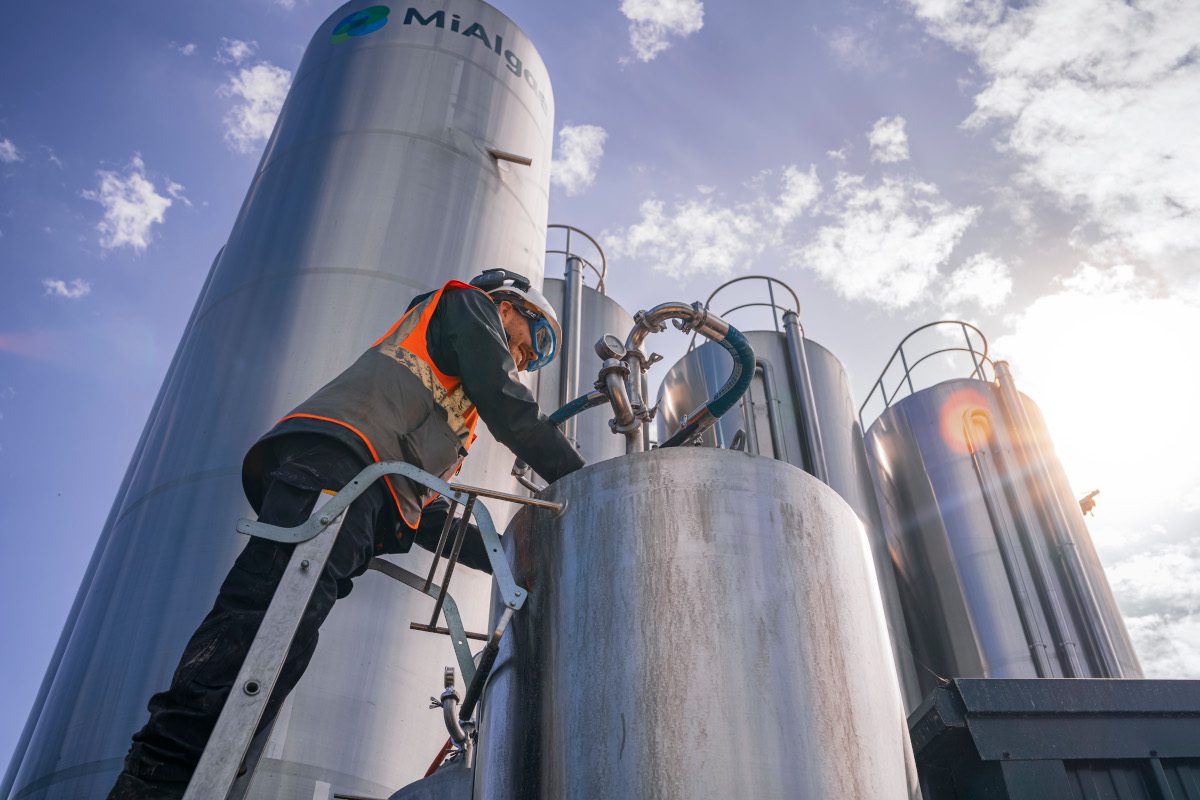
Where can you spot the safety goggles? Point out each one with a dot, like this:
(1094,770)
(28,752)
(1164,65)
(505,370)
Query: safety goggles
(545,345)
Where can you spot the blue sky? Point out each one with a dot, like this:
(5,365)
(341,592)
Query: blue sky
(1030,169)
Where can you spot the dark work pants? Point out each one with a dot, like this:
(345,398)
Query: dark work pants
(182,717)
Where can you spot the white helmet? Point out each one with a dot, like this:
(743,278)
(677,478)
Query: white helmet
(544,330)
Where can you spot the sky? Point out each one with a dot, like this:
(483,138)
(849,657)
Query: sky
(1027,167)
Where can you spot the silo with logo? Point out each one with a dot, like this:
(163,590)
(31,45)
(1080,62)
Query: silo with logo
(414,147)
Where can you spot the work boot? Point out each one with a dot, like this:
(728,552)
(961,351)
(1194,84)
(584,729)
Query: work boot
(129,787)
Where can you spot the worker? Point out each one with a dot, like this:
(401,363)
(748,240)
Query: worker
(414,396)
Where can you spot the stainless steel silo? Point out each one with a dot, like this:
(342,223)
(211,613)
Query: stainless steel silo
(799,409)
(586,314)
(700,623)
(997,572)
(395,165)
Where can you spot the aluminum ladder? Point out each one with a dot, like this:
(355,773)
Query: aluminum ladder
(233,741)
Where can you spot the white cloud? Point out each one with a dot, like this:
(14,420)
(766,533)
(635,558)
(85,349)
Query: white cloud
(1168,645)
(855,49)
(704,236)
(1104,357)
(1157,594)
(889,143)
(9,152)
(176,190)
(1097,100)
(699,237)
(131,206)
(260,91)
(187,49)
(72,291)
(287,5)
(652,23)
(235,51)
(982,279)
(800,191)
(839,154)
(886,241)
(580,148)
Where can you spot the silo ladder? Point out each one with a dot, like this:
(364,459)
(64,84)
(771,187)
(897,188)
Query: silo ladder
(233,741)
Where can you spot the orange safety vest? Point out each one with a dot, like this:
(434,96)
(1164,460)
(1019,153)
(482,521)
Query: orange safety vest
(405,345)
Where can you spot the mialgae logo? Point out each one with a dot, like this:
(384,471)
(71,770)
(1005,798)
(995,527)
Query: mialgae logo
(360,23)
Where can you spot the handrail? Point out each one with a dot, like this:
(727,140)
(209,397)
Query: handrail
(774,306)
(979,360)
(601,271)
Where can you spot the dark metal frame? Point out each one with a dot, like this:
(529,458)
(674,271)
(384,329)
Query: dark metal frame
(979,359)
(1036,739)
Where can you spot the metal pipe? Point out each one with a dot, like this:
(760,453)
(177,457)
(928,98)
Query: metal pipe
(778,442)
(509,498)
(449,703)
(810,427)
(990,486)
(1040,487)
(568,376)
(646,427)
(750,431)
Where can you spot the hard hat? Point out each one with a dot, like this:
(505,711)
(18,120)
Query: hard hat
(544,330)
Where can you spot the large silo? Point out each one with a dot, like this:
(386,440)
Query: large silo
(414,147)
(799,409)
(997,572)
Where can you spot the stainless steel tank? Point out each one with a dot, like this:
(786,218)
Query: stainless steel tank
(598,315)
(997,572)
(772,414)
(377,184)
(700,623)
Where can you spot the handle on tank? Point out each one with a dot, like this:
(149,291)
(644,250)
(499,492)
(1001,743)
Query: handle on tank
(735,386)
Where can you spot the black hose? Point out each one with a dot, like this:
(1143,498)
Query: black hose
(579,404)
(736,386)
(487,660)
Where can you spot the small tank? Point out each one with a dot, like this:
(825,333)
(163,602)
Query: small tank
(997,572)
(586,314)
(799,409)
(700,623)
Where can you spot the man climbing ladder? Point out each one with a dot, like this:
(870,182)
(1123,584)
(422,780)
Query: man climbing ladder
(414,396)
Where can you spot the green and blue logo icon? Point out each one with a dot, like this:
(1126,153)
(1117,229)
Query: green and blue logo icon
(360,23)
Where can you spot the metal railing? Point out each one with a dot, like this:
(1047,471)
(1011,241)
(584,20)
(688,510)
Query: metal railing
(980,362)
(601,272)
(776,309)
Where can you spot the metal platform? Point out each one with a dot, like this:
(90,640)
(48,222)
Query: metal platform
(977,739)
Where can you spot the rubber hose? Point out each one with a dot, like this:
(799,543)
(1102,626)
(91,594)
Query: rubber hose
(735,386)
(579,404)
